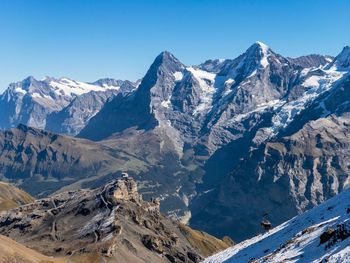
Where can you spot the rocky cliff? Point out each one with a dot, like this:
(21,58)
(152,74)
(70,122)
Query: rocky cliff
(109,224)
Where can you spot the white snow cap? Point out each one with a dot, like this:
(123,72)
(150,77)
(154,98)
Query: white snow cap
(343,59)
(265,53)
(262,45)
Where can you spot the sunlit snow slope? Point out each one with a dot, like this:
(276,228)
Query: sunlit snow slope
(321,234)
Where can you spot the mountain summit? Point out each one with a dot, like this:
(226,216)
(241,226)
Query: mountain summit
(342,61)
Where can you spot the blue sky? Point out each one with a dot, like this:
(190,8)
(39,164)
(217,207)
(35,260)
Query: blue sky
(87,40)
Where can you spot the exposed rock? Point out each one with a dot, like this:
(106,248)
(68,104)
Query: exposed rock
(311,61)
(101,222)
(327,235)
(153,243)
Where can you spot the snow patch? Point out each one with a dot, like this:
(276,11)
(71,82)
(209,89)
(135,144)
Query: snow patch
(166,103)
(265,52)
(206,82)
(316,86)
(178,76)
(20,90)
(70,87)
(229,82)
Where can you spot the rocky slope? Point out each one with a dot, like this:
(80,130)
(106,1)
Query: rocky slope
(321,234)
(42,162)
(11,251)
(11,196)
(312,164)
(107,224)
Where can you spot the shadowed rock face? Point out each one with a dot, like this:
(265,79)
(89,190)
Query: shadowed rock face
(311,61)
(111,222)
(311,163)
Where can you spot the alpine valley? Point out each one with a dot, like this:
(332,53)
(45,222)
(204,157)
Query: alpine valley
(220,144)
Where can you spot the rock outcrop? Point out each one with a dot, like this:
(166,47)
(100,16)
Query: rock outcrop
(111,222)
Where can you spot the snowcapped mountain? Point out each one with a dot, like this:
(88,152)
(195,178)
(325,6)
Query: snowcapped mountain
(261,129)
(209,111)
(321,234)
(31,101)
(214,97)
(342,61)
(74,117)
(297,159)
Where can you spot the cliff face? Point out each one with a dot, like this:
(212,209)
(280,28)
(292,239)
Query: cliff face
(111,222)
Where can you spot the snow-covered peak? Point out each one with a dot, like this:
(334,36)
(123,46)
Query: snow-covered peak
(22,87)
(322,233)
(61,87)
(257,57)
(262,45)
(342,61)
(69,87)
(259,51)
(164,62)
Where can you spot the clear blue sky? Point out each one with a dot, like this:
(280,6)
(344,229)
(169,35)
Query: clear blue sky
(87,40)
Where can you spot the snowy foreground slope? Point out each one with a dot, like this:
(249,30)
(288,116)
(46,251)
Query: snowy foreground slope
(321,234)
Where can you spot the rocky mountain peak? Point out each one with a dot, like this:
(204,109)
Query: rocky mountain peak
(29,79)
(256,57)
(124,189)
(259,53)
(168,62)
(261,45)
(108,82)
(166,56)
(23,86)
(342,61)
(310,61)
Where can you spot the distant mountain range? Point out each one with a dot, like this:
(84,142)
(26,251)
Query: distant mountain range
(221,143)
(61,105)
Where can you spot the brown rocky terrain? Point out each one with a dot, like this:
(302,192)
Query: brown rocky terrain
(13,252)
(43,162)
(108,224)
(11,197)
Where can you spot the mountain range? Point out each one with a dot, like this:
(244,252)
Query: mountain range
(221,143)
(61,105)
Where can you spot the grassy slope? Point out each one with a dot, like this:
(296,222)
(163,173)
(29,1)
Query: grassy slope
(11,197)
